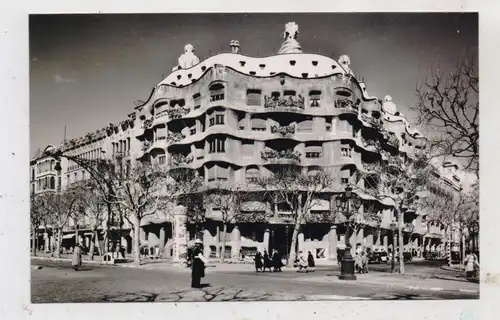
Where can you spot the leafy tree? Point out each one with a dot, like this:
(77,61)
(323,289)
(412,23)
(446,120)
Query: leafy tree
(448,105)
(300,192)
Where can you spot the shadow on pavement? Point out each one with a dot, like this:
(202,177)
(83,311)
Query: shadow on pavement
(189,295)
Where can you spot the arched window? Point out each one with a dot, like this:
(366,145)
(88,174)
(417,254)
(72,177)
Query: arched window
(217,92)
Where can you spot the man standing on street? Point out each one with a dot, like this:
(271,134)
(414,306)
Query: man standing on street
(198,265)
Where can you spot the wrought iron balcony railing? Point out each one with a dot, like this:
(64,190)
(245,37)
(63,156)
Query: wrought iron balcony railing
(284,154)
(177,113)
(285,102)
(283,130)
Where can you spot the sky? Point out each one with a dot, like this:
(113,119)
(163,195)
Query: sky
(87,70)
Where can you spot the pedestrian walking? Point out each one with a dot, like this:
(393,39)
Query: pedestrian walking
(76,262)
(277,263)
(198,265)
(258,262)
(310,261)
(471,265)
(267,262)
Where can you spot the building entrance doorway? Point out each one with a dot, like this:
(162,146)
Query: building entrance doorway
(281,240)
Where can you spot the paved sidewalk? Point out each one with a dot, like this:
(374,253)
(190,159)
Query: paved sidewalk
(397,281)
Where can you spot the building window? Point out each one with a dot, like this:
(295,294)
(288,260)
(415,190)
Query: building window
(314,152)
(192,131)
(216,118)
(218,145)
(219,119)
(217,92)
(328,127)
(252,175)
(305,126)
(247,148)
(161,159)
(259,125)
(346,152)
(314,98)
(254,97)
(344,181)
(197,101)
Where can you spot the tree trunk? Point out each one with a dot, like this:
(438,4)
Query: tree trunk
(34,240)
(463,250)
(293,247)
(136,240)
(449,234)
(59,242)
(223,250)
(92,245)
(401,243)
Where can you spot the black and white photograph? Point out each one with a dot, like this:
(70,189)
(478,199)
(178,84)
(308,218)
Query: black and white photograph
(253,157)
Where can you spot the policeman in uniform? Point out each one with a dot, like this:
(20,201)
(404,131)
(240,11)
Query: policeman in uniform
(198,264)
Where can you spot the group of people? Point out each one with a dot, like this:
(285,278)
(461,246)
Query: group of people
(263,262)
(361,262)
(304,263)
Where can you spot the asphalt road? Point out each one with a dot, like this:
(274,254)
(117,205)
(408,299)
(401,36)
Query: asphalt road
(57,282)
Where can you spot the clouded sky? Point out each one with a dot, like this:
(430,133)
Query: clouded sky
(86,70)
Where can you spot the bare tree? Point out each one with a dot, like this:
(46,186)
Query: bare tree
(141,190)
(448,105)
(355,220)
(95,206)
(61,208)
(400,179)
(38,216)
(455,211)
(227,199)
(300,192)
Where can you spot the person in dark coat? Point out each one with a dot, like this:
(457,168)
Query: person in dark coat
(310,261)
(77,257)
(258,262)
(267,262)
(277,261)
(198,265)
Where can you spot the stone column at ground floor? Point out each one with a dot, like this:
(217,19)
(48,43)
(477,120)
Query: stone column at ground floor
(332,243)
(235,242)
(265,242)
(46,246)
(162,239)
(300,241)
(369,239)
(180,234)
(361,237)
(206,246)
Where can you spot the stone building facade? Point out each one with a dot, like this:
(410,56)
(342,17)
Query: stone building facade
(234,118)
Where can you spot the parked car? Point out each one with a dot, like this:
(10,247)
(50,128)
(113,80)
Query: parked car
(378,257)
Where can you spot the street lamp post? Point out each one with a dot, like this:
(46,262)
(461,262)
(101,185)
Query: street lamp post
(347,265)
(393,227)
